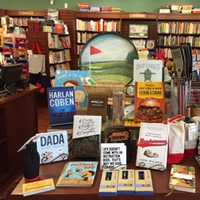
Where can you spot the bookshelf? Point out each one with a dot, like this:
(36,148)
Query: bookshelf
(89,24)
(59,51)
(141,29)
(54,42)
(175,29)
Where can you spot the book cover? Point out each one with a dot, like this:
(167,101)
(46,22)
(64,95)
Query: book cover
(143,182)
(38,187)
(182,178)
(78,174)
(86,136)
(148,70)
(61,105)
(149,102)
(108,184)
(52,146)
(152,146)
(126,182)
(76,79)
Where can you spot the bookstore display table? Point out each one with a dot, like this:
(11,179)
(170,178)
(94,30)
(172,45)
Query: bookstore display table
(18,122)
(160,183)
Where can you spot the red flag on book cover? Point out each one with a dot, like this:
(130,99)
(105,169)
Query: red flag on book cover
(94,50)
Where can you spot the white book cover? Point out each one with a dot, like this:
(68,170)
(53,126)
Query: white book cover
(153,146)
(86,125)
(148,70)
(113,156)
(52,146)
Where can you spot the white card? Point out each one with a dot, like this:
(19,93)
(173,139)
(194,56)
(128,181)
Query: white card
(86,125)
(113,156)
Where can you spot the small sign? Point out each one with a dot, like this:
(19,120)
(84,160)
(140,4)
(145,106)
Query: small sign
(113,156)
(86,125)
(52,146)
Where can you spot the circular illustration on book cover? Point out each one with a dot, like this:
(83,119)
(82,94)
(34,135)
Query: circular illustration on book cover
(109,57)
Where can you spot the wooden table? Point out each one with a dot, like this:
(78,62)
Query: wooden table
(160,183)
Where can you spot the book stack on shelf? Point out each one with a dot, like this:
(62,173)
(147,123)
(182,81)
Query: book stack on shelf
(173,33)
(59,45)
(139,36)
(87,29)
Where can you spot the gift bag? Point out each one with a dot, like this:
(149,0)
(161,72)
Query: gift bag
(176,142)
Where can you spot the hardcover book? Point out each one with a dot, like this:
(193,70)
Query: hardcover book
(153,146)
(86,136)
(126,182)
(78,174)
(61,105)
(52,146)
(38,187)
(182,178)
(108,185)
(76,79)
(149,102)
(148,70)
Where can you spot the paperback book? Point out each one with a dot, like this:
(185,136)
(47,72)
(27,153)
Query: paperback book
(153,146)
(78,174)
(38,187)
(126,182)
(108,185)
(61,105)
(182,178)
(143,182)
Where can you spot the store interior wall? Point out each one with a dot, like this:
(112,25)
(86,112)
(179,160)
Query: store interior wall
(125,5)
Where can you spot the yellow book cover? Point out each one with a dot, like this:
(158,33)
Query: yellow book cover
(108,185)
(38,187)
(149,102)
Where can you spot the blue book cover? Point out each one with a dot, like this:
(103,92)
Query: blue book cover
(76,79)
(61,105)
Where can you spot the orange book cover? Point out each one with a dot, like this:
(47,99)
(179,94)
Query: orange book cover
(149,102)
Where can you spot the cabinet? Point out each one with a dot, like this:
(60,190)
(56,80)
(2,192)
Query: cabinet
(15,129)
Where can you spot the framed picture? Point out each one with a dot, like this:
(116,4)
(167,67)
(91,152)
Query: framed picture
(138,31)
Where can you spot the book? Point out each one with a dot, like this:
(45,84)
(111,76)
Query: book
(126,182)
(78,174)
(38,187)
(76,79)
(143,182)
(52,146)
(86,136)
(108,184)
(153,146)
(61,105)
(149,102)
(182,178)
(148,70)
